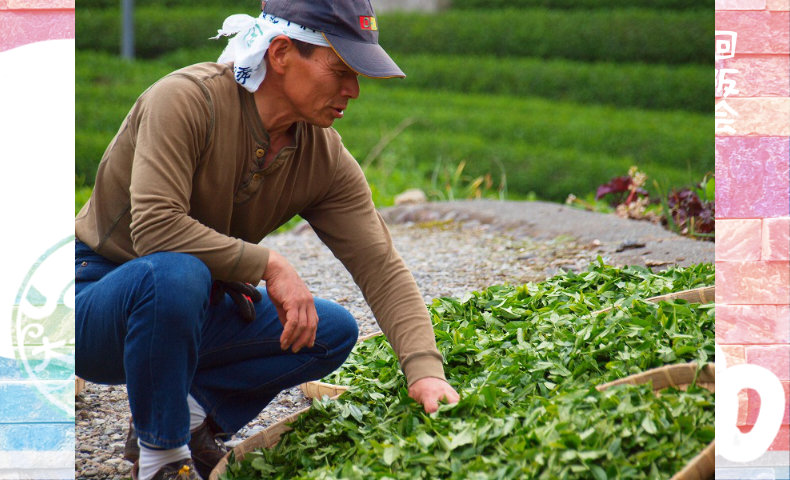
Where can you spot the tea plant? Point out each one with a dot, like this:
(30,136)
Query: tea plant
(525,360)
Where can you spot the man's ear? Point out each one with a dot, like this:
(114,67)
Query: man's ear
(279,53)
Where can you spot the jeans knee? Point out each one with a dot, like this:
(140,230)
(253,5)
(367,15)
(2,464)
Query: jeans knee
(342,329)
(182,284)
(350,330)
(188,276)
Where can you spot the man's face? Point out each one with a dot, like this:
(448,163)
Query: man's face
(320,86)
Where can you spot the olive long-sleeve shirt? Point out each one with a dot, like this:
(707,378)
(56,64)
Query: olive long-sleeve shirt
(185,173)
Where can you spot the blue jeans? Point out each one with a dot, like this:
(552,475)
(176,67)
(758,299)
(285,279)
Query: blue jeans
(148,323)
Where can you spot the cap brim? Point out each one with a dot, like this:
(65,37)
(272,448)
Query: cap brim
(367,59)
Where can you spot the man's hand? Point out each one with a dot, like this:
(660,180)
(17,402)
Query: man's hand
(294,303)
(430,390)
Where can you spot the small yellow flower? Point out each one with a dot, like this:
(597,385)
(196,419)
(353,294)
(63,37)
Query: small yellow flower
(183,472)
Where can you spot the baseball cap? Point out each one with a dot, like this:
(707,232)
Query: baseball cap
(349,26)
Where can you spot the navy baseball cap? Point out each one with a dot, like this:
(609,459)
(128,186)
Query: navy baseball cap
(349,26)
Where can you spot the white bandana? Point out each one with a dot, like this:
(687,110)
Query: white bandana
(252,39)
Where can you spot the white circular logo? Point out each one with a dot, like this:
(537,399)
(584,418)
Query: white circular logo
(43,325)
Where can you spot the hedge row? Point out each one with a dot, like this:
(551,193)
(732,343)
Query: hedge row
(158,30)
(588,4)
(548,147)
(673,147)
(684,87)
(623,35)
(637,85)
(655,87)
(233,5)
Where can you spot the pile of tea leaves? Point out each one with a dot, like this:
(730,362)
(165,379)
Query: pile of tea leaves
(525,360)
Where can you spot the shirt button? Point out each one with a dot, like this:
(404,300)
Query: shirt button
(84,264)
(260,153)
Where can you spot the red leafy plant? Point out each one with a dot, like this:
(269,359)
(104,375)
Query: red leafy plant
(691,214)
(628,197)
(621,190)
(688,211)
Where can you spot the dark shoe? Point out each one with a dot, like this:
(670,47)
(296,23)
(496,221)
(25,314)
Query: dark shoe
(181,470)
(206,451)
(131,451)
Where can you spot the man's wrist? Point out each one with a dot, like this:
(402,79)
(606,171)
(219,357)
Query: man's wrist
(422,367)
(273,264)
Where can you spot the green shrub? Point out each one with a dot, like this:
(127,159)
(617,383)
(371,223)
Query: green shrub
(231,5)
(660,87)
(551,173)
(684,87)
(525,361)
(158,29)
(550,148)
(677,139)
(455,4)
(580,4)
(105,89)
(625,35)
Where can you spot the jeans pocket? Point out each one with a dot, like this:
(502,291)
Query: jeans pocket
(89,265)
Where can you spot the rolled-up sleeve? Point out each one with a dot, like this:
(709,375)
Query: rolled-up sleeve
(346,220)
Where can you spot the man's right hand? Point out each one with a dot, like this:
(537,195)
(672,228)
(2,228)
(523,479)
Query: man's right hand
(294,303)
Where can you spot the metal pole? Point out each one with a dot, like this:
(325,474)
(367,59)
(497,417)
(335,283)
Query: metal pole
(127,29)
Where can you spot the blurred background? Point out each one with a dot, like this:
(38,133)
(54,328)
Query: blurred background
(508,99)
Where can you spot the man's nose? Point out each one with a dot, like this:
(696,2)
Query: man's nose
(350,86)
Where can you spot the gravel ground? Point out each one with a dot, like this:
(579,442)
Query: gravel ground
(450,249)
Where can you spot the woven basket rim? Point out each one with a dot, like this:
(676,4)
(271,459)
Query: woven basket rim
(675,375)
(334,390)
(699,294)
(694,470)
(702,466)
(262,439)
(266,438)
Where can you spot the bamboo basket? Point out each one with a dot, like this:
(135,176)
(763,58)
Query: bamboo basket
(267,438)
(318,389)
(702,466)
(695,295)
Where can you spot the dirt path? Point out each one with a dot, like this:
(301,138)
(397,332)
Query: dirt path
(619,241)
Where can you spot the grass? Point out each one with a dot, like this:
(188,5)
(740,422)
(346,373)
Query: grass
(547,148)
(629,85)
(617,34)
(457,4)
(580,4)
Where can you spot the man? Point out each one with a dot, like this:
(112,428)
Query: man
(209,160)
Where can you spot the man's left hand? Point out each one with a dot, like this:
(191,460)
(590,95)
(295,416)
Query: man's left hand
(429,391)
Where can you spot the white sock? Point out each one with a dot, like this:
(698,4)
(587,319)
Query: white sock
(151,460)
(196,413)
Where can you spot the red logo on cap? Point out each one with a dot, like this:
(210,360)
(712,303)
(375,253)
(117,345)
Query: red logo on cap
(368,23)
